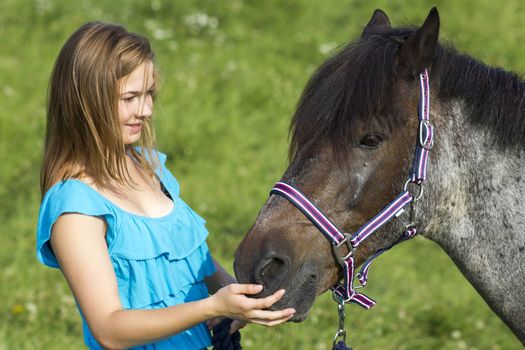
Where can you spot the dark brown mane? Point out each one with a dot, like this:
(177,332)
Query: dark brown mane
(493,97)
(357,84)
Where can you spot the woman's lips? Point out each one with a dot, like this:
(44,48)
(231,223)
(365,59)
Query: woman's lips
(135,128)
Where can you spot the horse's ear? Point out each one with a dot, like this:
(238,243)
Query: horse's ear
(417,52)
(379,19)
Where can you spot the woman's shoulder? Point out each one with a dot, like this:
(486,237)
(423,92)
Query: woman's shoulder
(70,196)
(72,192)
(73,196)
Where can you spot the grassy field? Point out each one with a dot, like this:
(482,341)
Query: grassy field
(232,73)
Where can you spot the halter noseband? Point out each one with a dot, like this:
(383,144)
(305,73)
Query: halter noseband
(345,292)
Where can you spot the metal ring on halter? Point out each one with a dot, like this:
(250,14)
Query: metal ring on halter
(410,225)
(419,195)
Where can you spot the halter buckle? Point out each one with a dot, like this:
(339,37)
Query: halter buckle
(341,259)
(425,124)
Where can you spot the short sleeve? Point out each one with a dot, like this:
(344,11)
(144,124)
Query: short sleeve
(69,196)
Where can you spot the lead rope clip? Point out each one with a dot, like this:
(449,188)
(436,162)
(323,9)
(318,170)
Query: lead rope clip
(341,332)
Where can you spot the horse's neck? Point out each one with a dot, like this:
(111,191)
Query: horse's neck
(475,210)
(474,183)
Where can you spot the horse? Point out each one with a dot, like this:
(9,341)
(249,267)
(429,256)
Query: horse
(352,143)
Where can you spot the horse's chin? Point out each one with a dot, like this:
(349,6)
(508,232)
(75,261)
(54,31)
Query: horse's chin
(301,292)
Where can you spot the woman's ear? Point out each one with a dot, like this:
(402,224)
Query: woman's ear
(418,51)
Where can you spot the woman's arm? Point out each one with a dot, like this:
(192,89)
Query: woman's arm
(78,242)
(219,279)
(215,282)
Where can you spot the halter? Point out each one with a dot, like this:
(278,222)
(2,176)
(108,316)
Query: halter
(345,292)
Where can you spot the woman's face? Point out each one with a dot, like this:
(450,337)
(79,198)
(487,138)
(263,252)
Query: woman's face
(135,101)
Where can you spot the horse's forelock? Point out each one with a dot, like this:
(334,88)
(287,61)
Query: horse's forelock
(354,85)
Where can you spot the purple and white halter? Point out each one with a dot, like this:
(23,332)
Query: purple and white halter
(345,291)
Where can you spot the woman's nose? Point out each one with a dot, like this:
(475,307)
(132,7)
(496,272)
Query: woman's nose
(146,107)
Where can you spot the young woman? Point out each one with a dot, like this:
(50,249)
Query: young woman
(133,253)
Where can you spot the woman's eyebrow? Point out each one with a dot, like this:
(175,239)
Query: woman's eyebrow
(137,92)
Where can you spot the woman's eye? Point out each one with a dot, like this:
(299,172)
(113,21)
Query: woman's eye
(371,140)
(129,98)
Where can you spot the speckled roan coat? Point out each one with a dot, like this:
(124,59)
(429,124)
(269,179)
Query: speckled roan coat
(353,138)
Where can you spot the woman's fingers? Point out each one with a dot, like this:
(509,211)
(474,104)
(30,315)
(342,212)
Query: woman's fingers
(271,323)
(267,315)
(245,288)
(264,303)
(256,309)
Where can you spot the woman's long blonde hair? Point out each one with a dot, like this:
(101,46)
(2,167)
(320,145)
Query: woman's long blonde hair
(83,137)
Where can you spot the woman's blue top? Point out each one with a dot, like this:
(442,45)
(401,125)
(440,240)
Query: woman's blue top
(158,262)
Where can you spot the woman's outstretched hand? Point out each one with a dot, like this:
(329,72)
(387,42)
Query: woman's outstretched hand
(232,301)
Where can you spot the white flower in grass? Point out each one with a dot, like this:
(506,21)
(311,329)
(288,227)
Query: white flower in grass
(231,66)
(402,314)
(200,20)
(67,299)
(156,5)
(242,171)
(31,308)
(8,91)
(326,48)
(462,344)
(161,34)
(43,6)
(157,31)
(455,334)
(321,346)
(9,271)
(32,311)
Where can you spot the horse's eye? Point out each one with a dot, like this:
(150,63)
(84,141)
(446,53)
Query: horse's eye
(371,140)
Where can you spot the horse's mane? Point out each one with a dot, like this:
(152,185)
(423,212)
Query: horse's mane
(357,84)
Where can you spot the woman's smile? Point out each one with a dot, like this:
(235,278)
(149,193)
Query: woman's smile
(135,127)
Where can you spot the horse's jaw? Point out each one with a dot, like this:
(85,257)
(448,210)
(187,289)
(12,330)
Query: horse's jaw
(300,285)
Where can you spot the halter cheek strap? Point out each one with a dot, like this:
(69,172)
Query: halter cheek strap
(344,244)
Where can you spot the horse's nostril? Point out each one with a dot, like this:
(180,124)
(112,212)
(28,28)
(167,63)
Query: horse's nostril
(272,268)
(272,271)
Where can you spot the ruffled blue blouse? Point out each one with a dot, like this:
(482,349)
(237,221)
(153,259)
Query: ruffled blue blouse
(158,262)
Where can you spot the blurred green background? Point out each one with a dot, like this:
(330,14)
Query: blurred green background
(232,73)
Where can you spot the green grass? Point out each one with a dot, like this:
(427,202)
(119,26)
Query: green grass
(230,86)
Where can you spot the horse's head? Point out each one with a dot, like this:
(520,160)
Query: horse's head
(352,142)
